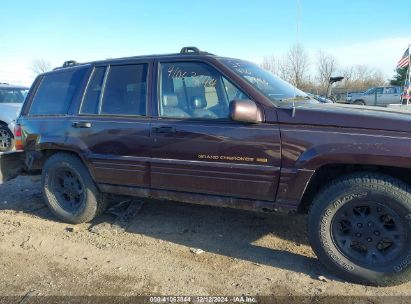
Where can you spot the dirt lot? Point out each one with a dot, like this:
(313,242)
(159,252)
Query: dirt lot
(244,253)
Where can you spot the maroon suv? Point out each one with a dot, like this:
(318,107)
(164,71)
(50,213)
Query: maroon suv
(199,128)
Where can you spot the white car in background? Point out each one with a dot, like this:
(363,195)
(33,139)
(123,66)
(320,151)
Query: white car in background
(11,100)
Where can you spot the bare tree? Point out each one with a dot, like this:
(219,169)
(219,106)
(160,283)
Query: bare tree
(326,65)
(294,68)
(270,63)
(40,66)
(297,65)
(361,77)
(278,66)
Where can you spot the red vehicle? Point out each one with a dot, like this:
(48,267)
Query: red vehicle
(203,129)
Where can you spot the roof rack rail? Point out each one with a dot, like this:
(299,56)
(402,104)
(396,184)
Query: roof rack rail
(193,50)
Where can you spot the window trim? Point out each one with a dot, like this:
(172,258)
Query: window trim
(191,119)
(85,89)
(103,89)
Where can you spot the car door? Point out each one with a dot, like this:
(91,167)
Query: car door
(381,98)
(197,149)
(112,128)
(391,95)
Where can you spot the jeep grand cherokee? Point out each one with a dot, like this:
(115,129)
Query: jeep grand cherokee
(203,129)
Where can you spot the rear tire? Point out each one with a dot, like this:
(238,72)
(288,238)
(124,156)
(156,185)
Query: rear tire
(360,228)
(69,190)
(6,139)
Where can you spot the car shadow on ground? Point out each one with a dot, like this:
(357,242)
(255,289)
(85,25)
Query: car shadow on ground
(265,239)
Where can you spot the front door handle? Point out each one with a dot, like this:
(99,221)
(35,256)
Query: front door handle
(164,129)
(81,124)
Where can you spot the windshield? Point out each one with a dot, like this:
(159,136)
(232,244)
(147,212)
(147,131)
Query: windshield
(274,88)
(369,91)
(12,95)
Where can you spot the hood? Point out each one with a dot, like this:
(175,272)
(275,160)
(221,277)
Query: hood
(12,105)
(347,116)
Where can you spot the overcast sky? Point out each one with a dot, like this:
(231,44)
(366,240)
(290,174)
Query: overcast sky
(374,33)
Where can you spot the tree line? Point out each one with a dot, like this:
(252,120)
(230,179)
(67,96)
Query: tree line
(313,74)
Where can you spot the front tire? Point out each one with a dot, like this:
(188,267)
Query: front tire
(360,228)
(69,190)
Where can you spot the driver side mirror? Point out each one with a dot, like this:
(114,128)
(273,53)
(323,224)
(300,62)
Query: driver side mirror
(245,110)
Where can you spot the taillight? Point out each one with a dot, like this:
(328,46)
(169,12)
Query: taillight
(18,143)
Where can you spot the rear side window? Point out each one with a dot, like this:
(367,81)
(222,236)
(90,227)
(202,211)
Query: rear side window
(123,93)
(55,93)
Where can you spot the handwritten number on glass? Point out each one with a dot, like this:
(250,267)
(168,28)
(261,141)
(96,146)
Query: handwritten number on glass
(199,80)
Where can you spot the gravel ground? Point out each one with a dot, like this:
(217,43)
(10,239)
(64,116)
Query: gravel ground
(160,248)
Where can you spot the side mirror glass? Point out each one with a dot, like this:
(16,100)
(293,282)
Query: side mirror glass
(245,110)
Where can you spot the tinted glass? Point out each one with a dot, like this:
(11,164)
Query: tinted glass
(193,90)
(125,91)
(92,97)
(10,95)
(55,92)
(232,91)
(267,83)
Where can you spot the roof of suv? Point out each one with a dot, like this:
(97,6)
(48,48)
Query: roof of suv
(186,52)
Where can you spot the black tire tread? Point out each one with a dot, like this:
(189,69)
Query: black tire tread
(101,200)
(372,180)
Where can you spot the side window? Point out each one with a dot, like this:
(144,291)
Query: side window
(390,90)
(194,90)
(56,91)
(92,97)
(125,91)
(232,91)
(379,90)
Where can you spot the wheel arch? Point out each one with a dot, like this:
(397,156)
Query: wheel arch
(329,172)
(35,160)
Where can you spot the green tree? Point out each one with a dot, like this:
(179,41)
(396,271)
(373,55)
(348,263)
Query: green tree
(399,77)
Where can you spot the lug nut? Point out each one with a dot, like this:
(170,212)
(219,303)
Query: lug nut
(358,235)
(359,225)
(376,232)
(370,224)
(369,239)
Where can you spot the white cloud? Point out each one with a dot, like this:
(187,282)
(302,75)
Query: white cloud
(15,71)
(382,54)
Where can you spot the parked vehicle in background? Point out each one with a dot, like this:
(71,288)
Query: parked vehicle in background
(204,129)
(351,96)
(378,96)
(11,100)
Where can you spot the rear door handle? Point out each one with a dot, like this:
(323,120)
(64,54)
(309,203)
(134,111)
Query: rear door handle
(164,129)
(81,124)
